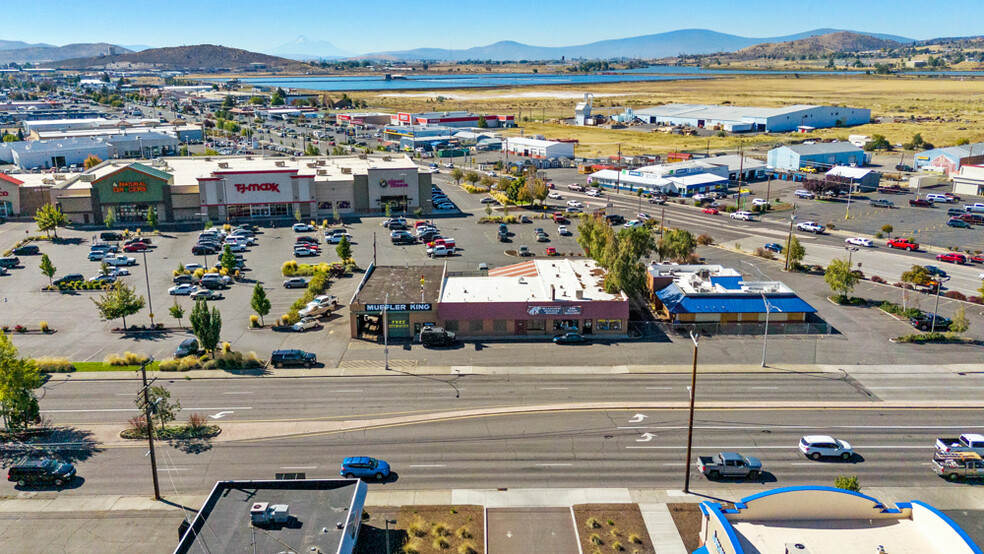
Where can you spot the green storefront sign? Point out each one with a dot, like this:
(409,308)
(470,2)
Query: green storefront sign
(129,186)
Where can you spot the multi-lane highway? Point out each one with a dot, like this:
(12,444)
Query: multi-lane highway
(446,431)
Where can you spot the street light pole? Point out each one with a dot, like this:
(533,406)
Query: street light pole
(765,341)
(789,240)
(150,301)
(690,428)
(936,310)
(850,252)
(150,427)
(386,352)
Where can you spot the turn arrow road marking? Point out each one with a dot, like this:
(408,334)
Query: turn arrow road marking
(220,415)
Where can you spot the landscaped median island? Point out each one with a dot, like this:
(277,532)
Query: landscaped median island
(612,528)
(423,530)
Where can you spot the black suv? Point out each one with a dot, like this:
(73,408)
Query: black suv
(27,250)
(924,322)
(281,358)
(199,250)
(70,278)
(110,236)
(614,219)
(41,471)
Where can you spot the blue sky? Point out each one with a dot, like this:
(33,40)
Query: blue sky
(378,25)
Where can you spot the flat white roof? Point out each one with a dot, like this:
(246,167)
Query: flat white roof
(897,536)
(849,172)
(532,142)
(566,276)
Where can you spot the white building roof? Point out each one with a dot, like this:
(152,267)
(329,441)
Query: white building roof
(540,143)
(556,280)
(849,172)
(720,113)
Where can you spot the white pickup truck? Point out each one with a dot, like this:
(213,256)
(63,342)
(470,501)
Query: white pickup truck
(119,260)
(811,227)
(967,442)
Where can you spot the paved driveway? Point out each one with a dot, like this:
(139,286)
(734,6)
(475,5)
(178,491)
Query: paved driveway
(540,530)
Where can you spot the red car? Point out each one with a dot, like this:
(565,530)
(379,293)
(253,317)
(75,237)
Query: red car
(904,244)
(135,247)
(977,259)
(712,211)
(952,257)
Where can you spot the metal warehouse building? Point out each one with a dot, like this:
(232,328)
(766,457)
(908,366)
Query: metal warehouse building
(741,118)
(829,154)
(949,160)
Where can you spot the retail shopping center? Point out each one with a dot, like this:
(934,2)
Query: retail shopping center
(244,187)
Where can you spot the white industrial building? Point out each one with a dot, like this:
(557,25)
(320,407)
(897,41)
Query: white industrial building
(742,118)
(969,181)
(539,148)
(684,178)
(41,125)
(53,153)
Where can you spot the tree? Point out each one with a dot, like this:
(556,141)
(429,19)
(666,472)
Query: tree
(482,124)
(917,275)
(488,210)
(388,209)
(487,182)
(228,259)
(160,404)
(152,217)
(457,174)
(471,178)
(91,161)
(259,302)
(10,138)
(19,377)
(47,268)
(206,325)
(344,249)
(110,219)
(418,212)
(335,215)
(312,150)
(676,245)
(959,323)
(49,218)
(524,193)
(177,312)
(228,102)
(119,302)
(540,190)
(795,251)
(848,482)
(297,214)
(840,277)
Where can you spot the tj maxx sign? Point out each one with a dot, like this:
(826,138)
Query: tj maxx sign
(266,187)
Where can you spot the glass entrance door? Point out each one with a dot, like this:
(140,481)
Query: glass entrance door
(262,210)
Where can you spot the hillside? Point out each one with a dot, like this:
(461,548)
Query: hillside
(661,45)
(198,57)
(842,41)
(37,53)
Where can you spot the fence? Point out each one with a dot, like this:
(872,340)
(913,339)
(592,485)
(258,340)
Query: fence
(749,328)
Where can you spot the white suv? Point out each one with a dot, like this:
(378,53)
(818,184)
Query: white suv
(744,216)
(818,446)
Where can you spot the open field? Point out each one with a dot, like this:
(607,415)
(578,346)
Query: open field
(944,111)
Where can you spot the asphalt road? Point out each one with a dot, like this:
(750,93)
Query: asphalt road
(575,448)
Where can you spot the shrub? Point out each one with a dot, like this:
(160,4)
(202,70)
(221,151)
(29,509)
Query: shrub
(441,543)
(763,253)
(617,546)
(975,299)
(20,328)
(197,421)
(887,229)
(848,483)
(954,294)
(188,363)
(475,190)
(169,365)
(412,547)
(919,338)
(463,532)
(877,279)
(54,365)
(440,530)
(611,522)
(633,538)
(417,528)
(467,548)
(596,539)
(137,423)
(226,348)
(44,327)
(128,358)
(254,321)
(592,523)
(289,268)
(879,235)
(211,364)
(705,240)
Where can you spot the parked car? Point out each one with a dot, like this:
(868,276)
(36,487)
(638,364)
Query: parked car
(304,251)
(729,464)
(302,228)
(206,294)
(188,347)
(633,224)
(41,471)
(966,442)
(27,250)
(68,279)
(976,219)
(525,251)
(958,223)
(97,255)
(859,241)
(294,357)
(935,271)
(571,337)
(489,200)
(594,192)
(120,260)
(742,215)
(555,196)
(135,247)
(525,219)
(295,283)
(575,204)
(103,279)
(939,198)
(439,251)
(337,238)
(184,289)
(364,466)
(881,203)
(774,247)
(924,322)
(306,239)
(563,231)
(711,211)
(823,446)
(952,257)
(804,194)
(920,203)
(304,324)
(955,212)
(202,250)
(760,202)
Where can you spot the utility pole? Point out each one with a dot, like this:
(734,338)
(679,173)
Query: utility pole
(150,427)
(768,188)
(618,169)
(662,220)
(789,239)
(690,428)
(386,351)
(150,301)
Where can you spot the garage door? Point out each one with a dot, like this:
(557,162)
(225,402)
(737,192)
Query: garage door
(399,325)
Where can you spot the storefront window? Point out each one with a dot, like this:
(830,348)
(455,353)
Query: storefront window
(475,325)
(565,325)
(130,213)
(499,325)
(609,324)
(451,325)
(536,325)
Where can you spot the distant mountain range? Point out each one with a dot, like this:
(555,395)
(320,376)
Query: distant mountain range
(841,41)
(21,52)
(662,45)
(202,57)
(303,48)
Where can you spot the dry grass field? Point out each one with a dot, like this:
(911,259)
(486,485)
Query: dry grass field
(944,111)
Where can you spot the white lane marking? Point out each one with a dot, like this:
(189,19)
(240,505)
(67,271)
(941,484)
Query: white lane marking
(675,464)
(553,388)
(764,388)
(221,415)
(136,410)
(298,467)
(637,418)
(172,469)
(659,388)
(956,387)
(239,392)
(803,463)
(553,465)
(427,465)
(646,437)
(857,448)
(766,427)
(346,390)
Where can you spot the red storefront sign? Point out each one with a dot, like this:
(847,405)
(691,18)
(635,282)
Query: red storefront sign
(262,187)
(4,193)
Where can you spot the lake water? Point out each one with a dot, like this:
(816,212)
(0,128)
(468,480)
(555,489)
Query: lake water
(423,82)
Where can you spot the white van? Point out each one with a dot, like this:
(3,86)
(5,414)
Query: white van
(939,198)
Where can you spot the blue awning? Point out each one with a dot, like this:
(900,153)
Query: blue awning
(677,302)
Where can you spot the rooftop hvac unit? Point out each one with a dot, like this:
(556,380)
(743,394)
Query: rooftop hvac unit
(87,177)
(59,176)
(322,172)
(346,170)
(321,162)
(387,158)
(312,164)
(224,165)
(263,513)
(796,548)
(363,156)
(279,163)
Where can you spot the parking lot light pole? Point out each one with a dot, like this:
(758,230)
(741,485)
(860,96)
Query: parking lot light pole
(150,302)
(936,310)
(850,252)
(690,427)
(765,341)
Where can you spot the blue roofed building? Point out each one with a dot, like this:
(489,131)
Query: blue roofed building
(714,294)
(822,155)
(949,160)
(817,519)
